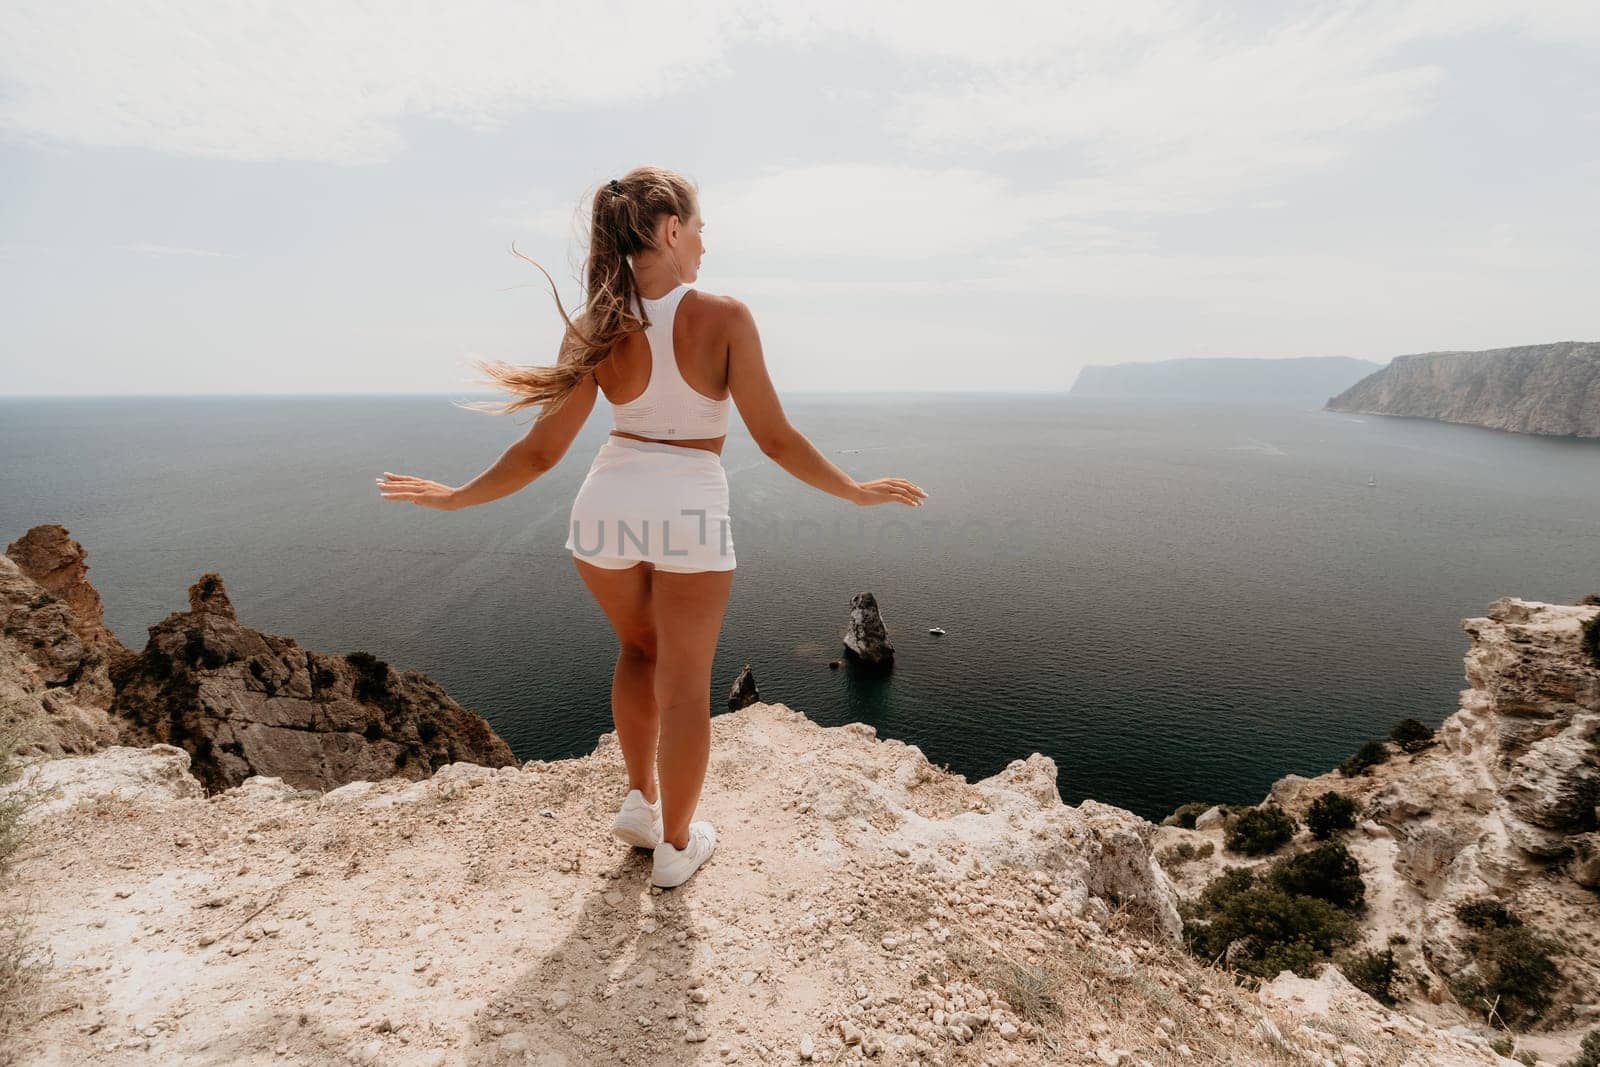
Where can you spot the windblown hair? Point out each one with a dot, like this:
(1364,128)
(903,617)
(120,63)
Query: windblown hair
(622,225)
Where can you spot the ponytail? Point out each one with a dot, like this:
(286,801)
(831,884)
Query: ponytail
(622,225)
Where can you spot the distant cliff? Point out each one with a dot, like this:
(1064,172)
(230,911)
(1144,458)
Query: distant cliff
(1308,380)
(1543,389)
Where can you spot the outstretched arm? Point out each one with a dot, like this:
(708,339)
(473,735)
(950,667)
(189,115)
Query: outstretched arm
(539,450)
(757,400)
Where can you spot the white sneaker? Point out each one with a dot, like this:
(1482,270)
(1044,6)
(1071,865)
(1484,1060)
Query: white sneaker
(638,823)
(673,865)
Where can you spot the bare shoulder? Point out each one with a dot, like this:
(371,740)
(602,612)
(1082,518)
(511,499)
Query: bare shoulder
(725,309)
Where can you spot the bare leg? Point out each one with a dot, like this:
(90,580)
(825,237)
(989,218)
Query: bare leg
(624,595)
(688,615)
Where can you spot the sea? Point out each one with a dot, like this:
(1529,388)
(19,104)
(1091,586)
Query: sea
(1174,602)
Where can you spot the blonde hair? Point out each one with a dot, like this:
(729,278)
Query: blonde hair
(622,224)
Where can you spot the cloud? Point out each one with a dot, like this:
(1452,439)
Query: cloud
(1191,117)
(863,210)
(171,250)
(1158,95)
(331,82)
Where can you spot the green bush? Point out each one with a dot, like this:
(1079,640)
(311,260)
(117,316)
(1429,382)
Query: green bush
(1330,813)
(1185,814)
(1183,852)
(1412,735)
(1258,831)
(1589,1052)
(1374,973)
(1253,927)
(1513,977)
(1368,755)
(1327,872)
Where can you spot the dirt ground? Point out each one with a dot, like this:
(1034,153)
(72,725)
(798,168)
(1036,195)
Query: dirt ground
(861,905)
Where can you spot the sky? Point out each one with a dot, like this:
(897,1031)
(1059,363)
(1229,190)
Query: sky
(322,197)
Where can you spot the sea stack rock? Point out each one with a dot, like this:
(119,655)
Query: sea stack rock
(744,691)
(866,638)
(244,703)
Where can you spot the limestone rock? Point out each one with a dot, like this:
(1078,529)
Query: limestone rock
(867,638)
(1541,389)
(55,669)
(1504,805)
(744,691)
(246,703)
(49,556)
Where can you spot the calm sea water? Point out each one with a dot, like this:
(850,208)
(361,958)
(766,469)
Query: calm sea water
(1174,603)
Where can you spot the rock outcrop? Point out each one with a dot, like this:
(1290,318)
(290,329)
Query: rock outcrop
(239,701)
(49,556)
(744,691)
(1502,805)
(863,905)
(1538,389)
(245,703)
(866,638)
(55,675)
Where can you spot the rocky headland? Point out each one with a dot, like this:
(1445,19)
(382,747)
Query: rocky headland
(1538,389)
(863,905)
(1495,814)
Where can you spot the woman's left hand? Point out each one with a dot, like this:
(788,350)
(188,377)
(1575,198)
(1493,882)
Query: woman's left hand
(417,491)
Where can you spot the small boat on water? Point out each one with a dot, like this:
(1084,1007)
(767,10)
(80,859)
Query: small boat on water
(1372,482)
(936,629)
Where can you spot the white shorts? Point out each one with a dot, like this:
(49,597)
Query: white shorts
(652,501)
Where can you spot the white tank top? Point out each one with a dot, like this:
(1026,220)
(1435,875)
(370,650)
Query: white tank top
(669,406)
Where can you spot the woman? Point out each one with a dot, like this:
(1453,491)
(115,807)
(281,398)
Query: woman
(650,532)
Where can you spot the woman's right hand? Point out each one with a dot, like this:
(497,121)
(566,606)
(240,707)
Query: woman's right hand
(887,490)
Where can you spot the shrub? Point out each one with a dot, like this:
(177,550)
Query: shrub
(1412,735)
(1259,929)
(1589,1052)
(1374,973)
(1368,755)
(1591,600)
(1485,913)
(1330,813)
(1183,852)
(1507,1047)
(1258,831)
(158,662)
(1513,976)
(372,681)
(1185,814)
(1327,872)
(21,966)
(1591,639)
